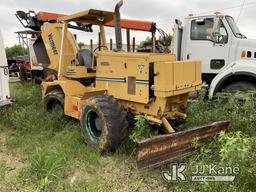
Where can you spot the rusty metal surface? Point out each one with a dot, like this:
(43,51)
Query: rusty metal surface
(131,85)
(158,150)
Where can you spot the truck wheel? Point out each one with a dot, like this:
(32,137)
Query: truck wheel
(239,86)
(54,102)
(23,73)
(103,123)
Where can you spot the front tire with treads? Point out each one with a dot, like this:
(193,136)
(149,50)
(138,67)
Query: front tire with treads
(103,123)
(239,86)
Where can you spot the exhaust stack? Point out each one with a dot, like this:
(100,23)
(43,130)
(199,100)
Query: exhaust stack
(118,28)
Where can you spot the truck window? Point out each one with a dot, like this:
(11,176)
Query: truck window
(234,28)
(203,31)
(223,38)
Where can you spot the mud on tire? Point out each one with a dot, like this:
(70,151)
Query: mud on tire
(103,123)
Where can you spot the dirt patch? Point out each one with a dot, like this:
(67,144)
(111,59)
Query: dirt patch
(77,175)
(120,174)
(12,161)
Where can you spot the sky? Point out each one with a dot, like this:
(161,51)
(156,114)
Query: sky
(163,12)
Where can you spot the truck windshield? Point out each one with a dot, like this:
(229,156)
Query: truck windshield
(234,28)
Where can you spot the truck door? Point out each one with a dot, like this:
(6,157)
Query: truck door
(4,74)
(201,46)
(1,95)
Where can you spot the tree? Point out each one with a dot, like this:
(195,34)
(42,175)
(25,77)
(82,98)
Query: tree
(147,41)
(162,44)
(81,45)
(15,51)
(167,39)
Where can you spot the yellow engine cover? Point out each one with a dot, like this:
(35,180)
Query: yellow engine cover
(139,76)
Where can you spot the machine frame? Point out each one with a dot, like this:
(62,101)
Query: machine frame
(157,108)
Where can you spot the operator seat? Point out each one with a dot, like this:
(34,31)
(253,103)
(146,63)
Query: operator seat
(84,57)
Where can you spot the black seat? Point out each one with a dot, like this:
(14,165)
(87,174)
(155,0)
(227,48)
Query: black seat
(84,57)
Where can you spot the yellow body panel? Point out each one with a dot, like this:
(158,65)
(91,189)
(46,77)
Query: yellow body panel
(75,94)
(115,68)
(51,34)
(78,72)
(177,77)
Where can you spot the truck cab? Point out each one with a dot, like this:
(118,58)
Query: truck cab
(228,57)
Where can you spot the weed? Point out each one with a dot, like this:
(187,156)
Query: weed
(141,129)
(3,169)
(233,147)
(45,168)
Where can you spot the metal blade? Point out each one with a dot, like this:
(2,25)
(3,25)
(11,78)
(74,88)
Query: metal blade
(158,150)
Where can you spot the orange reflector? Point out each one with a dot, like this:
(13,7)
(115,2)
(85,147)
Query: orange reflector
(243,54)
(217,13)
(75,107)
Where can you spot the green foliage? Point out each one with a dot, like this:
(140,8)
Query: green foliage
(147,41)
(229,150)
(141,130)
(45,168)
(3,169)
(167,40)
(239,108)
(50,144)
(81,45)
(14,51)
(234,147)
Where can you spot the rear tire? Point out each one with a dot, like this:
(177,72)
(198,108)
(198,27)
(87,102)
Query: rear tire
(239,86)
(103,123)
(54,102)
(23,73)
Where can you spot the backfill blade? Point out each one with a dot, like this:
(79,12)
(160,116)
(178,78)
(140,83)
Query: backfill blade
(158,150)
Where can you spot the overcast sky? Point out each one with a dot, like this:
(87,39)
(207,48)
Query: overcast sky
(163,12)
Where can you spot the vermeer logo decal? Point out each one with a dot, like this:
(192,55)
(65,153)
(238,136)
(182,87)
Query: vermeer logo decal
(52,44)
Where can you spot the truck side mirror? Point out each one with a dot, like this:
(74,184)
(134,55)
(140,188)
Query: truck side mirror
(178,22)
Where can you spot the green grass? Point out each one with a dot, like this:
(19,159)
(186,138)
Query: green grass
(3,169)
(55,158)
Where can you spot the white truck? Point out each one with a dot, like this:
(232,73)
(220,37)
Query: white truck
(4,76)
(31,68)
(228,57)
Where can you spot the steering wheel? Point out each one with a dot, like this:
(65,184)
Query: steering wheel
(99,48)
(93,53)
